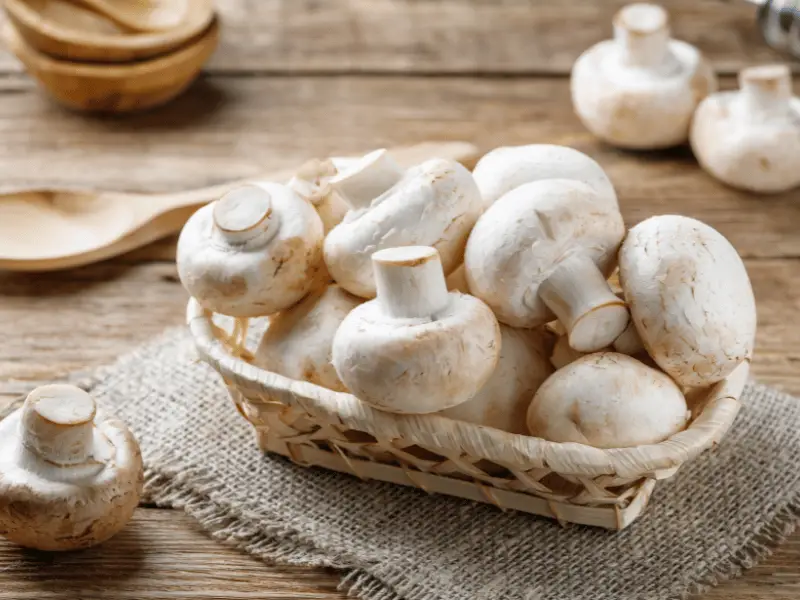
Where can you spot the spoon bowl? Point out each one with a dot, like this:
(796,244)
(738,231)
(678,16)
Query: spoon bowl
(72,32)
(115,88)
(47,229)
(143,15)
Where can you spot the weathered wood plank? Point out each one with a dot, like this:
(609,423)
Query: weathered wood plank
(452,36)
(78,319)
(163,554)
(229,128)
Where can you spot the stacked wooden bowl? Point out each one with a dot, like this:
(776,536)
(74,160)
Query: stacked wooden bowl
(112,55)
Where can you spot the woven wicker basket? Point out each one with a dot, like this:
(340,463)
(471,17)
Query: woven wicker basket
(314,426)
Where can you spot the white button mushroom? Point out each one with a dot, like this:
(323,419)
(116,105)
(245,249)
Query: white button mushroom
(545,248)
(67,479)
(508,167)
(312,183)
(433,204)
(503,401)
(690,298)
(640,89)
(416,348)
(750,139)
(298,342)
(607,400)
(253,252)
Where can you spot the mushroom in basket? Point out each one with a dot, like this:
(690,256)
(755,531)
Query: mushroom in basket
(508,167)
(546,248)
(690,298)
(433,204)
(415,348)
(608,400)
(253,252)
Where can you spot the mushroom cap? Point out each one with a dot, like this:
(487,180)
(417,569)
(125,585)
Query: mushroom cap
(522,238)
(240,276)
(503,401)
(298,341)
(49,507)
(434,204)
(690,298)
(754,152)
(607,400)
(640,106)
(508,167)
(312,182)
(417,365)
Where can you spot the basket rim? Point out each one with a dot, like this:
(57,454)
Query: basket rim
(514,451)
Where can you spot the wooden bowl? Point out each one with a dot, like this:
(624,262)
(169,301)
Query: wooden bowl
(115,88)
(72,32)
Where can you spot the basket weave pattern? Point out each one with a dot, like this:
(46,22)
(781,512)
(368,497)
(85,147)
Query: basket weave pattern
(314,426)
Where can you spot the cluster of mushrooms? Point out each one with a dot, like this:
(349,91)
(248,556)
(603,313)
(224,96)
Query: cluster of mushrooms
(643,90)
(483,296)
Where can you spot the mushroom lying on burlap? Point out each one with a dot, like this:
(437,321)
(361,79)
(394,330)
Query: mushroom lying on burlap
(508,167)
(67,479)
(546,248)
(607,400)
(415,348)
(298,341)
(640,89)
(690,298)
(253,252)
(750,139)
(503,401)
(433,204)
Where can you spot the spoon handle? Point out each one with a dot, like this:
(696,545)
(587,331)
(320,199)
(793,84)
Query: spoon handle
(406,156)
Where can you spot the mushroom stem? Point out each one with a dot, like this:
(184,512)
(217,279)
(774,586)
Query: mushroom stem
(410,282)
(581,298)
(58,424)
(359,183)
(766,88)
(642,34)
(245,214)
(630,342)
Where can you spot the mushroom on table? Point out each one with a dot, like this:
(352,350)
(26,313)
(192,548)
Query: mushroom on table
(415,348)
(640,89)
(750,138)
(68,479)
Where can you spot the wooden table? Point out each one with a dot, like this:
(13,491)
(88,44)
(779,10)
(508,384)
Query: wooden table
(301,78)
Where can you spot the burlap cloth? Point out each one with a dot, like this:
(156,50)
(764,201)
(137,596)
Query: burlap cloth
(717,516)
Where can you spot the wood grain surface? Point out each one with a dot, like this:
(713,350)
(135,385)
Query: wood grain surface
(518,37)
(301,78)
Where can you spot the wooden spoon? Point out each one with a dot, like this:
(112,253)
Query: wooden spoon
(47,230)
(144,15)
(66,30)
(115,88)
